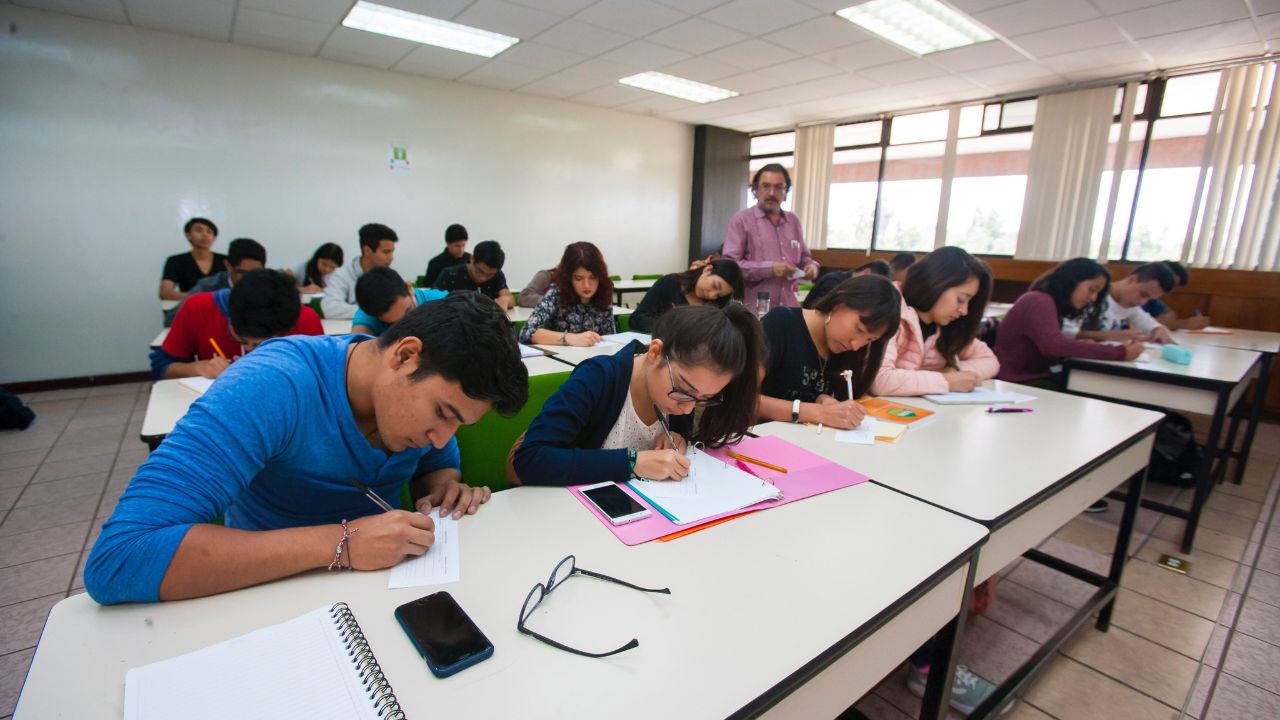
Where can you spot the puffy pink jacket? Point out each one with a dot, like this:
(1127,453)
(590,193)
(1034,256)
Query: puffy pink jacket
(913,366)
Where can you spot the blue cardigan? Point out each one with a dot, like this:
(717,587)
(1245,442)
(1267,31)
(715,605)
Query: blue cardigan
(562,445)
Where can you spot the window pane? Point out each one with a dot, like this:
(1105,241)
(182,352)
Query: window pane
(991,117)
(851,206)
(864,133)
(775,143)
(920,127)
(909,197)
(1139,104)
(786,161)
(970,121)
(1124,201)
(1190,94)
(1168,188)
(1019,114)
(987,193)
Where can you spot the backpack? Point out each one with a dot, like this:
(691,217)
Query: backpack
(13,413)
(1176,456)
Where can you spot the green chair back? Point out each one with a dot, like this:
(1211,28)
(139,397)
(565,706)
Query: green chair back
(646,277)
(806,287)
(615,278)
(315,305)
(624,322)
(420,281)
(485,445)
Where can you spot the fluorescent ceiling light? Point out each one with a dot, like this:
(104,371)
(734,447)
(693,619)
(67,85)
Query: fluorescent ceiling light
(427,30)
(677,87)
(919,26)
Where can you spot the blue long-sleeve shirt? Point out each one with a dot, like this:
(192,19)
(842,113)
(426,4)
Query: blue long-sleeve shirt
(271,445)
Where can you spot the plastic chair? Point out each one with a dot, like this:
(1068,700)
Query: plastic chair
(484,446)
(647,277)
(420,281)
(615,278)
(624,323)
(806,287)
(315,305)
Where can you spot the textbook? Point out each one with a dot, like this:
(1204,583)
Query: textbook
(893,411)
(317,666)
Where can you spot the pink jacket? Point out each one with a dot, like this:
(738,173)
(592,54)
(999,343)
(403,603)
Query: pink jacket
(913,366)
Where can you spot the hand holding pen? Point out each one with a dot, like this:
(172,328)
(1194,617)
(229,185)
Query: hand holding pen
(665,461)
(384,539)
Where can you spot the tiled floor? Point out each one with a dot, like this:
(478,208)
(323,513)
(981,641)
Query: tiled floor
(1206,645)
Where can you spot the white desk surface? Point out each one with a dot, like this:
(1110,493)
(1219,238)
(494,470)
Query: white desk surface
(752,601)
(521,314)
(632,285)
(331,327)
(167,305)
(1256,340)
(1216,364)
(574,355)
(984,465)
(544,365)
(996,309)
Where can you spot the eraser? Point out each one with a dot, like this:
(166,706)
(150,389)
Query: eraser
(1176,354)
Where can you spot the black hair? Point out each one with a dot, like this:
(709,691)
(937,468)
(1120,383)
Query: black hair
(242,249)
(771,167)
(880,308)
(939,271)
(201,221)
(1158,271)
(490,253)
(876,267)
(372,234)
(727,270)
(902,261)
(327,251)
(377,289)
(466,338)
(1184,275)
(264,304)
(454,233)
(729,339)
(1060,282)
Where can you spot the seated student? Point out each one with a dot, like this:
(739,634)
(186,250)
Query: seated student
(212,329)
(1165,315)
(578,307)
(936,349)
(482,272)
(715,255)
(183,270)
(533,293)
(900,263)
(1031,342)
(827,283)
(808,349)
(715,283)
(310,275)
(377,249)
(273,447)
(384,297)
(602,425)
(455,253)
(1122,316)
(243,255)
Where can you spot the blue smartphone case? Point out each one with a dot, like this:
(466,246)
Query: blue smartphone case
(443,672)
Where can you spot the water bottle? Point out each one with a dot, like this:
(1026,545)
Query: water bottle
(762,303)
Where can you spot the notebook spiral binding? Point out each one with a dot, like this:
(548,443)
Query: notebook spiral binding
(375,683)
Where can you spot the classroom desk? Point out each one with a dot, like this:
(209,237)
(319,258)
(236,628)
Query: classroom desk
(996,309)
(331,327)
(521,314)
(768,616)
(1211,385)
(167,305)
(574,355)
(1022,476)
(621,287)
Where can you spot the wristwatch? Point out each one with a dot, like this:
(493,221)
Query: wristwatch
(795,411)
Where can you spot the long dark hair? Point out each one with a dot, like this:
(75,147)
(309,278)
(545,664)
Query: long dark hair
(938,272)
(729,339)
(1060,282)
(727,270)
(327,251)
(880,307)
(587,256)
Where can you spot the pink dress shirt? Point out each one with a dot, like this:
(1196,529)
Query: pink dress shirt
(755,243)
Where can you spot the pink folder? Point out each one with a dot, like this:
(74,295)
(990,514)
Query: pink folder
(807,475)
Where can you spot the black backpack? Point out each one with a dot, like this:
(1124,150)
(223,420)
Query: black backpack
(1176,457)
(13,413)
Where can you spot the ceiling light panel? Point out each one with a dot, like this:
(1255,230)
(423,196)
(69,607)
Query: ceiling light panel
(919,26)
(405,25)
(677,87)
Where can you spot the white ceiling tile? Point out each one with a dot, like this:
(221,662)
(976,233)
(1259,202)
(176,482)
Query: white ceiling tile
(702,69)
(901,72)
(752,54)
(1013,72)
(1265,7)
(1093,57)
(800,70)
(507,18)
(750,16)
(1206,38)
(973,57)
(306,35)
(654,104)
(976,6)
(439,62)
(541,57)
(696,113)
(609,96)
(696,35)
(1115,7)
(1109,71)
(1032,15)
(823,33)
(1181,15)
(636,18)
(751,82)
(1069,38)
(561,85)
(582,38)
(559,7)
(443,9)
(502,75)
(330,11)
(364,48)
(643,55)
(249,38)
(830,6)
(1195,57)
(692,6)
(1269,26)
(603,70)
(108,10)
(868,53)
(210,19)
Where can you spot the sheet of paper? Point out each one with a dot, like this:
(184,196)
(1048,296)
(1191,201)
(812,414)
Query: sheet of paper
(626,337)
(526,351)
(199,385)
(662,489)
(438,565)
(797,274)
(864,434)
(712,487)
(979,396)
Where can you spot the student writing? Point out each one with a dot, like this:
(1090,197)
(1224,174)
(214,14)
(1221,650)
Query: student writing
(828,282)
(715,282)
(1122,316)
(481,273)
(578,307)
(454,253)
(311,275)
(243,255)
(384,297)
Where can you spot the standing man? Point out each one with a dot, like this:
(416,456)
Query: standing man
(455,253)
(768,243)
(377,248)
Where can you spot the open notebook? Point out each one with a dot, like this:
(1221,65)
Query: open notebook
(712,487)
(317,666)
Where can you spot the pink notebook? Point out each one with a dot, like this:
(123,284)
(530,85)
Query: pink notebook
(808,475)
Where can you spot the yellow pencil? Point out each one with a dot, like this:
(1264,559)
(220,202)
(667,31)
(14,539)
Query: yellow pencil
(217,349)
(754,461)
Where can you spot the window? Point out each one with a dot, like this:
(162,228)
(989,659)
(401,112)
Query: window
(855,181)
(987,192)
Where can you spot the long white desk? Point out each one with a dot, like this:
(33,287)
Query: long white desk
(1256,340)
(521,314)
(621,287)
(792,612)
(331,327)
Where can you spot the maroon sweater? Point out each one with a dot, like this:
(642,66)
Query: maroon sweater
(1030,340)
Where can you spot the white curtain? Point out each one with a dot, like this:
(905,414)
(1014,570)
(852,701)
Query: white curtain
(1068,155)
(1117,170)
(1235,223)
(814,144)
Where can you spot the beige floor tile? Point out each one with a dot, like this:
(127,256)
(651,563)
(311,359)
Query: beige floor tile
(1089,533)
(1235,699)
(1136,662)
(1230,608)
(1254,661)
(22,458)
(115,389)
(21,623)
(1199,696)
(37,517)
(77,582)
(75,451)
(16,477)
(109,499)
(1269,560)
(83,489)
(1161,623)
(1028,612)
(13,672)
(1207,539)
(992,650)
(876,708)
(31,439)
(1070,691)
(1204,566)
(1260,620)
(41,544)
(111,405)
(1255,490)
(1234,505)
(1217,646)
(8,496)
(36,579)
(1265,587)
(1177,590)
(109,434)
(65,394)
(1025,711)
(58,470)
(132,455)
(1228,523)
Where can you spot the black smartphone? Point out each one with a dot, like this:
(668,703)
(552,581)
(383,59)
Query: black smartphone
(443,633)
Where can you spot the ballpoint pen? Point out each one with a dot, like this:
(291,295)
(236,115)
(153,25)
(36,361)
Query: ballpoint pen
(370,494)
(1008,410)
(665,429)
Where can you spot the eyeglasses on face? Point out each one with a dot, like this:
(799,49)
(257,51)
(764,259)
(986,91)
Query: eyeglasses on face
(678,393)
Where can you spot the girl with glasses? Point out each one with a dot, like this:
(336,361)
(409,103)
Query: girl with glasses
(607,421)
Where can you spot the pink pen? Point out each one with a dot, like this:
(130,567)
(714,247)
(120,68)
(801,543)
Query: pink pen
(1008,410)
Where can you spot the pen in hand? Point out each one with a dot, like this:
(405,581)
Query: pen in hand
(370,494)
(665,428)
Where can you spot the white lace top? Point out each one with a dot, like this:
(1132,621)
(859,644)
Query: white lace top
(630,432)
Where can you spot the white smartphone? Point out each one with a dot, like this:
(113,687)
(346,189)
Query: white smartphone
(616,505)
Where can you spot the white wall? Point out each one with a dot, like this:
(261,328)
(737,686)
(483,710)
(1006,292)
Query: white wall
(111,137)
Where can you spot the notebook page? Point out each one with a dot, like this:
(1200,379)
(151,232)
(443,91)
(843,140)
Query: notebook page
(295,669)
(711,488)
(198,384)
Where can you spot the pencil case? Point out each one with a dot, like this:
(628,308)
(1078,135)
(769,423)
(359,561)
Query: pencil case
(1176,354)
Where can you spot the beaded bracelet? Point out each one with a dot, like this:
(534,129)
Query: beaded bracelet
(347,532)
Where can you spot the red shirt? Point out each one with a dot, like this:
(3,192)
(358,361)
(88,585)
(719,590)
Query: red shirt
(200,319)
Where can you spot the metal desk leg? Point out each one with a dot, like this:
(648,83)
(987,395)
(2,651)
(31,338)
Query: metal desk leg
(1120,555)
(1255,414)
(1204,479)
(942,666)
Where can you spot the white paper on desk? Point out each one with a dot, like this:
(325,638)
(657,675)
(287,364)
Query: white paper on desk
(663,489)
(715,487)
(797,274)
(864,434)
(438,565)
(526,351)
(626,337)
(979,396)
(197,384)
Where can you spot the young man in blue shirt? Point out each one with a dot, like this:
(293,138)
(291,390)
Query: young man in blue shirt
(273,446)
(384,297)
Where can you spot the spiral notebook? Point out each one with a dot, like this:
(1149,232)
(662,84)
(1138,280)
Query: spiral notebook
(317,666)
